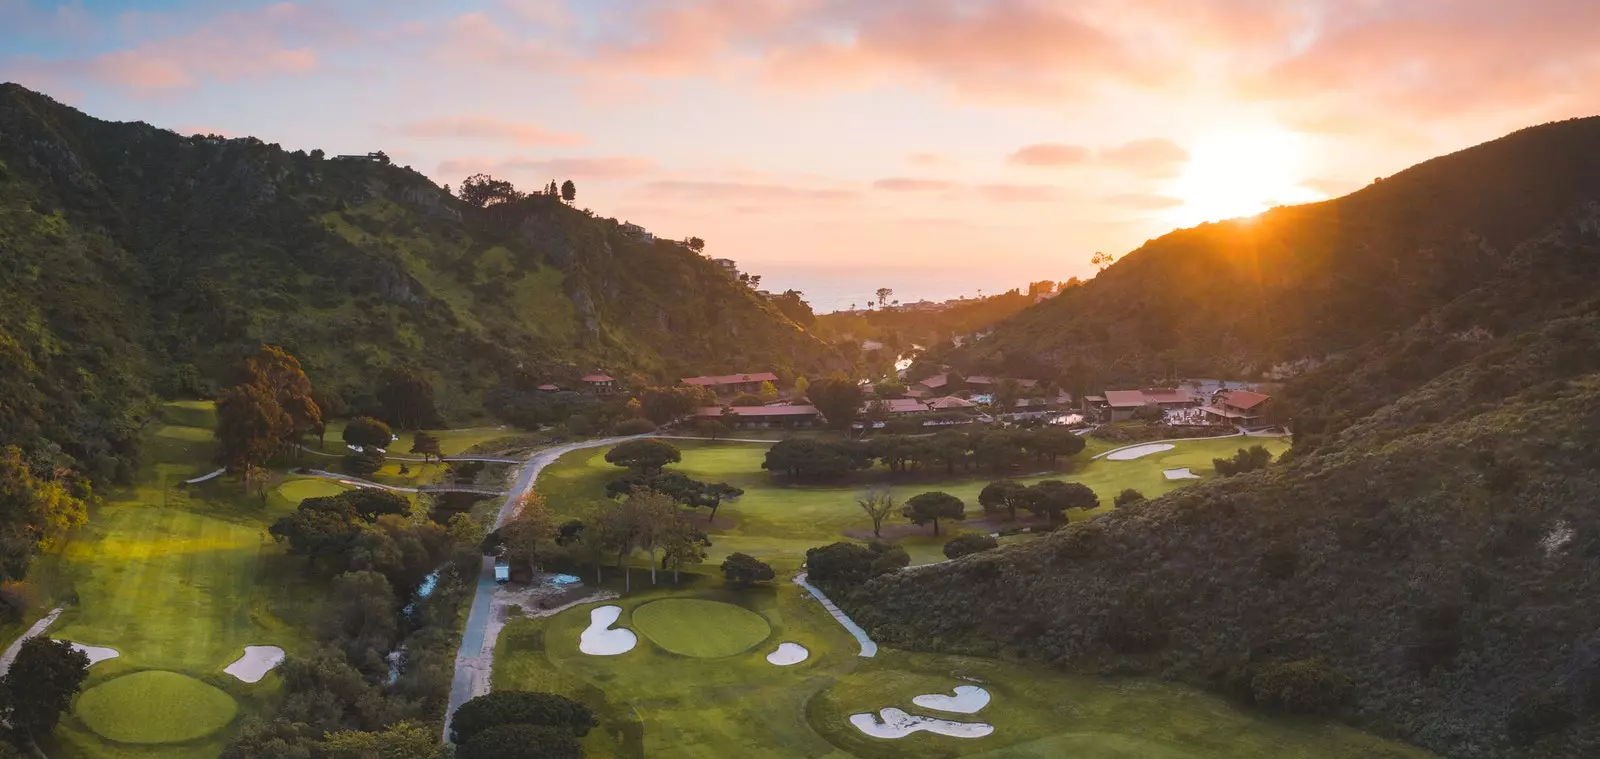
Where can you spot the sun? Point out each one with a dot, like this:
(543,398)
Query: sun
(1240,173)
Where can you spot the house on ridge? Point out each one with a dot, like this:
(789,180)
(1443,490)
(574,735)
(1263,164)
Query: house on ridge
(600,384)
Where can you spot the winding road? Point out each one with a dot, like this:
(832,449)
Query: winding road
(476,656)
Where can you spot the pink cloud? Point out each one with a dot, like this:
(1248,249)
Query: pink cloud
(742,191)
(1049,154)
(905,184)
(927,159)
(599,168)
(1157,157)
(1019,193)
(489,128)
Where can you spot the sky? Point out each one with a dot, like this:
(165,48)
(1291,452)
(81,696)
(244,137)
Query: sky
(935,147)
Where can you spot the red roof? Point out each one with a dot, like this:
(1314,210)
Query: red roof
(950,401)
(1243,399)
(786,410)
(731,379)
(902,405)
(548,386)
(599,378)
(1125,398)
(1135,398)
(935,382)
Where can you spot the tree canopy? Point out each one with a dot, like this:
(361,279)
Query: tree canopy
(931,507)
(520,708)
(44,677)
(839,400)
(644,455)
(36,509)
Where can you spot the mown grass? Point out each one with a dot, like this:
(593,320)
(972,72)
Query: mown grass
(777,522)
(155,707)
(701,628)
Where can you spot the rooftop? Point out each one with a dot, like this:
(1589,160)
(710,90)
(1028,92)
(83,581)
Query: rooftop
(599,378)
(1242,399)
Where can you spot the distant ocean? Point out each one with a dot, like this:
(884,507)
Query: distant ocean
(834,288)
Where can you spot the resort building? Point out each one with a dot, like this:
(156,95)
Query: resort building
(763,417)
(1238,407)
(733,383)
(601,384)
(1119,405)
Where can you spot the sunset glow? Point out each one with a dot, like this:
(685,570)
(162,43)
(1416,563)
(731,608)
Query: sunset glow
(1241,173)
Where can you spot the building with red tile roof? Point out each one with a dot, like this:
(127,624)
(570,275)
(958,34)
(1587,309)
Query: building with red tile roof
(601,383)
(783,415)
(1237,406)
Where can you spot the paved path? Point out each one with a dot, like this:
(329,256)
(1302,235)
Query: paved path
(869,649)
(360,483)
(473,663)
(16,645)
(204,477)
(715,439)
(389,457)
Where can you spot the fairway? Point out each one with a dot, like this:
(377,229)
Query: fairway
(777,522)
(701,628)
(293,490)
(155,707)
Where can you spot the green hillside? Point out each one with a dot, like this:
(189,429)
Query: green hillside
(1424,563)
(139,262)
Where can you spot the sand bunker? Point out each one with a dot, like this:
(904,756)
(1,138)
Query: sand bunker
(599,640)
(1181,473)
(96,654)
(1128,454)
(898,724)
(788,653)
(256,663)
(968,699)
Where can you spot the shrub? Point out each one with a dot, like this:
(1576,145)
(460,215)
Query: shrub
(363,464)
(1127,497)
(962,545)
(366,431)
(635,427)
(1536,714)
(520,708)
(1243,461)
(843,566)
(1306,686)
(744,569)
(522,742)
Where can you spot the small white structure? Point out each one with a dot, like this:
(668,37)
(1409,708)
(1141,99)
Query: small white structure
(256,663)
(1181,473)
(787,654)
(600,640)
(969,699)
(896,723)
(1138,451)
(96,654)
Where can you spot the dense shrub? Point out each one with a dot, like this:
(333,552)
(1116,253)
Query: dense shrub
(1299,687)
(368,432)
(843,566)
(1127,497)
(1243,461)
(520,708)
(744,569)
(1536,714)
(961,545)
(635,427)
(518,741)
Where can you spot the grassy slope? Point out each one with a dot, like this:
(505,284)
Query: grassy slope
(779,522)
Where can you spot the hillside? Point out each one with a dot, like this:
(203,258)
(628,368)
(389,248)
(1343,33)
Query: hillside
(139,262)
(1427,559)
(1237,298)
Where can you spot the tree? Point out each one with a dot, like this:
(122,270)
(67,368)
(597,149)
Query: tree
(932,507)
(362,614)
(839,400)
(1243,461)
(530,532)
(569,191)
(840,566)
(1006,395)
(407,399)
(510,707)
(654,516)
(962,545)
(426,444)
(251,426)
(280,374)
(517,741)
(1003,495)
(1101,260)
(43,678)
(363,464)
(366,432)
(1054,442)
(644,455)
(1306,686)
(746,399)
(1149,412)
(889,388)
(682,545)
(810,459)
(802,387)
(369,504)
(36,509)
(402,740)
(1052,498)
(321,528)
(482,191)
(1127,497)
(878,505)
(768,392)
(744,569)
(697,245)
(663,405)
(883,294)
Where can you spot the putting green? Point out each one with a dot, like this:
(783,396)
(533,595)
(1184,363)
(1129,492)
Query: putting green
(700,628)
(300,488)
(155,706)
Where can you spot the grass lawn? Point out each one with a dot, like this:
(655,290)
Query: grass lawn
(777,522)
(697,627)
(155,707)
(655,703)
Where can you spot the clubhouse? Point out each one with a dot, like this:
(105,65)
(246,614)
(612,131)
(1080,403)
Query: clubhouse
(785,416)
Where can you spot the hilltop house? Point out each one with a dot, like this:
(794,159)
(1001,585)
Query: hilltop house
(1240,407)
(637,232)
(728,265)
(733,383)
(763,417)
(601,384)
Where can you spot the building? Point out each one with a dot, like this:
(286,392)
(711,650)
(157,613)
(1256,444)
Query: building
(733,383)
(1238,407)
(601,384)
(728,265)
(763,417)
(982,384)
(898,406)
(950,403)
(637,232)
(932,385)
(1119,405)
(549,388)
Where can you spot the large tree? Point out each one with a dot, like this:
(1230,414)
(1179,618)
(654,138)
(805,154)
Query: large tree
(36,509)
(517,741)
(426,444)
(645,455)
(1053,442)
(511,707)
(668,404)
(530,533)
(569,191)
(40,685)
(878,505)
(1003,495)
(932,507)
(251,426)
(367,432)
(280,378)
(744,569)
(482,191)
(1052,498)
(838,399)
(407,398)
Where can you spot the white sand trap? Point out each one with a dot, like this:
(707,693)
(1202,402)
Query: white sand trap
(96,654)
(1181,473)
(256,663)
(899,724)
(1128,454)
(599,640)
(968,700)
(788,653)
